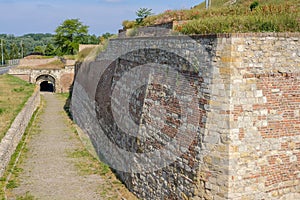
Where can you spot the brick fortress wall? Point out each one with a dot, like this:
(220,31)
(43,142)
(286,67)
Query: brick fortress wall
(246,136)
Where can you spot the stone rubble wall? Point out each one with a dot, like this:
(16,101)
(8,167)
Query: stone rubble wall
(13,136)
(247,136)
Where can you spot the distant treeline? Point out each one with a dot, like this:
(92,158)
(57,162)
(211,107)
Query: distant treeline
(15,47)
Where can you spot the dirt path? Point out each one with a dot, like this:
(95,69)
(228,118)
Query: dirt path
(53,167)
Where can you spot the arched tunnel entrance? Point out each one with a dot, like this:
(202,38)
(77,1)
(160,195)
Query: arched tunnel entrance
(46,82)
(46,86)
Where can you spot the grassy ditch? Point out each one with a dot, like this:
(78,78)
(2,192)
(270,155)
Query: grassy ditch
(14,93)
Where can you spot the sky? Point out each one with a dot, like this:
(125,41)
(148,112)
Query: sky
(20,17)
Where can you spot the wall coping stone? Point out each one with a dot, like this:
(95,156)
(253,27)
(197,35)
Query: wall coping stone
(218,35)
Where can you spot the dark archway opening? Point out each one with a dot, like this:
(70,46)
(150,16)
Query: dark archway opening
(46,86)
(46,82)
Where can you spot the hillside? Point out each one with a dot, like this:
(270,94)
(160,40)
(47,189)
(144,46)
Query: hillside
(228,16)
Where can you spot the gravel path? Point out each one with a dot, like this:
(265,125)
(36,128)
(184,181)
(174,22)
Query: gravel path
(49,172)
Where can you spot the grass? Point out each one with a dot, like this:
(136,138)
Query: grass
(69,57)
(14,93)
(38,57)
(27,196)
(56,64)
(84,53)
(87,164)
(223,17)
(89,54)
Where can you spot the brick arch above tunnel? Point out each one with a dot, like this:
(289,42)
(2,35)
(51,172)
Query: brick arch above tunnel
(46,80)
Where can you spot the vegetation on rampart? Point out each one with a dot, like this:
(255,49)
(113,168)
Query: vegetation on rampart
(233,16)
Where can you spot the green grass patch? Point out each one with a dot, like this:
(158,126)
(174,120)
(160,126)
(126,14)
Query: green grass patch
(64,95)
(27,196)
(70,57)
(38,57)
(20,89)
(14,93)
(11,184)
(2,110)
(87,164)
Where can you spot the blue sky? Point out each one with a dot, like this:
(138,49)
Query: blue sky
(19,17)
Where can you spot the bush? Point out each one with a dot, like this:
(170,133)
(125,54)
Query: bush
(128,24)
(132,32)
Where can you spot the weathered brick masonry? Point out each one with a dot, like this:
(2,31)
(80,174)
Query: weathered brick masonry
(247,134)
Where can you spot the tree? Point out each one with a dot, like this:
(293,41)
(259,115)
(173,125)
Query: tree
(50,50)
(39,49)
(23,49)
(69,35)
(105,36)
(5,51)
(14,51)
(142,13)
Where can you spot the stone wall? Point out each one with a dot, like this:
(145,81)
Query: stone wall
(230,102)
(13,136)
(264,116)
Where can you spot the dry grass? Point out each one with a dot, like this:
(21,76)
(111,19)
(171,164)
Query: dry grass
(224,17)
(38,57)
(14,93)
(57,64)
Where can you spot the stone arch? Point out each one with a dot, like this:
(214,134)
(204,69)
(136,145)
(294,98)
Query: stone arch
(47,82)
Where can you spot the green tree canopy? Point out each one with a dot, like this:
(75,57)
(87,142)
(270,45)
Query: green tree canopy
(39,49)
(49,50)
(14,53)
(69,35)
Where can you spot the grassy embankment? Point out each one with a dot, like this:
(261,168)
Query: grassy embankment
(14,93)
(224,17)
